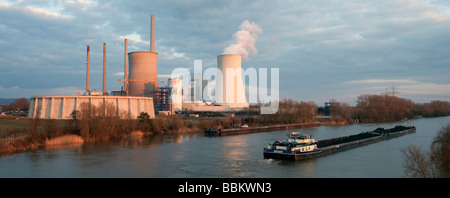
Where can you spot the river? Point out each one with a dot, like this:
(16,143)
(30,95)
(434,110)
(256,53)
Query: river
(196,155)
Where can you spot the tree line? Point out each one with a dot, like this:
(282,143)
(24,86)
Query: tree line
(385,108)
(19,104)
(369,108)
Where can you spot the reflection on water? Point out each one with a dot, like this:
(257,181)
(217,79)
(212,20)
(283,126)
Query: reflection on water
(73,146)
(230,156)
(151,141)
(235,148)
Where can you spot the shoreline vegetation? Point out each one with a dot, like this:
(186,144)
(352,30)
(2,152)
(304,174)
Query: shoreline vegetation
(91,124)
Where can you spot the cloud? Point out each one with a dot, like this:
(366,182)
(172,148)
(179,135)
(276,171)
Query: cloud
(165,75)
(45,13)
(378,81)
(171,53)
(417,90)
(18,92)
(426,88)
(324,49)
(118,74)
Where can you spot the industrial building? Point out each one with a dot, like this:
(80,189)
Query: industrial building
(139,86)
(229,92)
(141,91)
(162,100)
(176,85)
(64,107)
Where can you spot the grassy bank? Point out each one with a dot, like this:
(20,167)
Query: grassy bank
(35,133)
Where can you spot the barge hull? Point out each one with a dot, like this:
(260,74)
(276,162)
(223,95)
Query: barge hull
(290,155)
(240,131)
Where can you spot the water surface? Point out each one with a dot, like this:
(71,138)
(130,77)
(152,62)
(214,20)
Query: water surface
(197,155)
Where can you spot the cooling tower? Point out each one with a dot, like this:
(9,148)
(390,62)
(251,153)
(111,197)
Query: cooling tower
(229,87)
(142,74)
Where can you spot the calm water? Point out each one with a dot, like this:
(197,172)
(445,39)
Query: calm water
(230,156)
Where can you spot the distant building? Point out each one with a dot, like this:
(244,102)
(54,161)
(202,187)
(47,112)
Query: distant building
(331,108)
(198,85)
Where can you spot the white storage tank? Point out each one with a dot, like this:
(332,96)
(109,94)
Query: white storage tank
(177,95)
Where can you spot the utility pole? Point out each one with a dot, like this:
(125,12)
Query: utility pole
(393,90)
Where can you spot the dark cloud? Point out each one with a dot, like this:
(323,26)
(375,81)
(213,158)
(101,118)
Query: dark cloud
(316,44)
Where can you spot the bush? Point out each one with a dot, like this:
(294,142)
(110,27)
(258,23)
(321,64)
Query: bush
(441,150)
(101,122)
(431,164)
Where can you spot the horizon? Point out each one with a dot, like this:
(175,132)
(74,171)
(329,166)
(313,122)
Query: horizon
(11,100)
(324,50)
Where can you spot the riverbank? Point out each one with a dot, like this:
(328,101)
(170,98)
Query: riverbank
(25,134)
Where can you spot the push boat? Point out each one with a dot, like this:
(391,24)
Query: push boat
(301,147)
(212,131)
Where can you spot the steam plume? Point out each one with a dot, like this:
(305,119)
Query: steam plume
(244,40)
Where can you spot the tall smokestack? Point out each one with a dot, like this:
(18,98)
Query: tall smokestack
(104,68)
(152,43)
(87,70)
(125,73)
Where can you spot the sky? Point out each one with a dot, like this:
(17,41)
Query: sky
(324,49)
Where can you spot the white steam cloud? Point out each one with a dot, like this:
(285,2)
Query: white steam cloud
(244,40)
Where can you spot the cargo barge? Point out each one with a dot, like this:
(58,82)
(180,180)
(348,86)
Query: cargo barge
(302,147)
(239,131)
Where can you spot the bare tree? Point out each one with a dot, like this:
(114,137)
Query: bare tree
(418,163)
(22,104)
(383,108)
(435,163)
(440,150)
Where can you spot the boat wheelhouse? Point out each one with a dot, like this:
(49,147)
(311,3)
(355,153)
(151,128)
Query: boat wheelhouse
(295,142)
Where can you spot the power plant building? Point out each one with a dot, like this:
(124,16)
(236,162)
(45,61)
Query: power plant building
(141,81)
(141,91)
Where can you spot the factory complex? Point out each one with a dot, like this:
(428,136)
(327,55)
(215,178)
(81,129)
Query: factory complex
(141,91)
